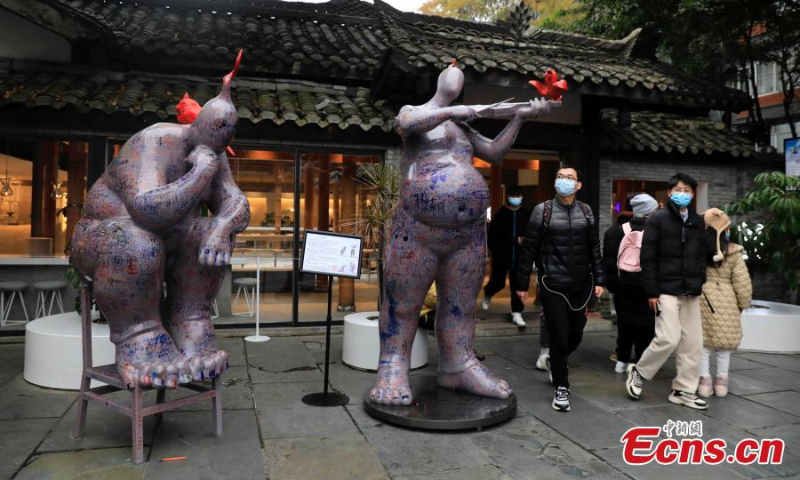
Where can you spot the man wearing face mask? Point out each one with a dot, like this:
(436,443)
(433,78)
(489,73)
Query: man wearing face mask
(562,239)
(504,239)
(673,262)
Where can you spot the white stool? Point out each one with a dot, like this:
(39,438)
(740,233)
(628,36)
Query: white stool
(52,288)
(214,309)
(16,289)
(248,285)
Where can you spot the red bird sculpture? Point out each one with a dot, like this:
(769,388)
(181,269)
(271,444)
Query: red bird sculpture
(553,88)
(188,108)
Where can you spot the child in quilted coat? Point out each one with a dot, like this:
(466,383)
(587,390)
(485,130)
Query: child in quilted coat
(729,291)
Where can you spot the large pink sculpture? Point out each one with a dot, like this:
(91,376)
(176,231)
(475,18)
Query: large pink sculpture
(439,233)
(142,232)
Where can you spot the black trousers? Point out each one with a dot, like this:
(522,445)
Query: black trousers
(497,282)
(564,328)
(631,335)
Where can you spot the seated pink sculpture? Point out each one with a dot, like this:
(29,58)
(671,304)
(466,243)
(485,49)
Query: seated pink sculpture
(142,232)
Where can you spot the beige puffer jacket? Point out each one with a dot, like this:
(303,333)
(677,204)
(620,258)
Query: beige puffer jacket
(729,290)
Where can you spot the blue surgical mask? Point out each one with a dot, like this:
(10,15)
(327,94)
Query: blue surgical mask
(682,199)
(565,187)
(515,201)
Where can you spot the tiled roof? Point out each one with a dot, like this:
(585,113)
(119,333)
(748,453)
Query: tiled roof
(58,86)
(340,35)
(349,40)
(670,133)
(427,40)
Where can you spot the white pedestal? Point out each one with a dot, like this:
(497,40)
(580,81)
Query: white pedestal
(771,327)
(361,344)
(53,353)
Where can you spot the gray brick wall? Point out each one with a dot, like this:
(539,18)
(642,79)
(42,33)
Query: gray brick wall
(721,179)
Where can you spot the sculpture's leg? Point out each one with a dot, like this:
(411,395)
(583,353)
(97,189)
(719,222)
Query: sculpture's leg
(191,289)
(458,283)
(126,265)
(410,270)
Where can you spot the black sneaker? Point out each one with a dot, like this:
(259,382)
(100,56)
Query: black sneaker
(634,382)
(687,399)
(561,400)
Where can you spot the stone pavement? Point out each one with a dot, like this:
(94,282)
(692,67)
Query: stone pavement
(270,434)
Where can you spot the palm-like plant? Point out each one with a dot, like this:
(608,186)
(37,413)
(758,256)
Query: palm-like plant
(384,182)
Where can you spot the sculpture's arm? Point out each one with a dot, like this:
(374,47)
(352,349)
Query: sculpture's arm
(418,120)
(231,212)
(164,206)
(493,150)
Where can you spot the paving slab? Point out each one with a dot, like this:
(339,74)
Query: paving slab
(99,464)
(654,471)
(282,414)
(486,472)
(12,357)
(235,348)
(237,393)
(779,376)
(20,399)
(741,384)
(747,414)
(284,359)
(236,455)
(334,457)
(18,440)
(776,360)
(788,402)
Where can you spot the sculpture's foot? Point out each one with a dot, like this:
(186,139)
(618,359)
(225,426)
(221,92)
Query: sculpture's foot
(476,379)
(197,342)
(392,386)
(150,359)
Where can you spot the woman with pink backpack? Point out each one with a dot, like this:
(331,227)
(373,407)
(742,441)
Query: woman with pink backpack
(621,246)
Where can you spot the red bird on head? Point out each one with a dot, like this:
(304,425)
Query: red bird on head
(553,88)
(188,109)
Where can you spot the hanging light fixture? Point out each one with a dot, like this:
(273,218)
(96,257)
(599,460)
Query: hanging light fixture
(6,191)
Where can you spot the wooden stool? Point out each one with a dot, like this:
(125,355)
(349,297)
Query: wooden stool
(136,411)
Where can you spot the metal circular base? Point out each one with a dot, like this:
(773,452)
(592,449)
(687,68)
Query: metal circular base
(330,399)
(256,338)
(437,408)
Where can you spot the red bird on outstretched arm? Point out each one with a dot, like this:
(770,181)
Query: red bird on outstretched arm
(553,88)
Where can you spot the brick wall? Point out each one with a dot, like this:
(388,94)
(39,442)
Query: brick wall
(721,178)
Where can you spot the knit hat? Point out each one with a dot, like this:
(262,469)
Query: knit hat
(643,204)
(716,219)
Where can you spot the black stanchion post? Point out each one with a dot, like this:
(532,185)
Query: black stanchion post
(327,399)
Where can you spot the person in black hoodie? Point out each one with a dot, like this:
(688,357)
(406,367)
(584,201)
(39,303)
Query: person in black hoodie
(562,238)
(673,261)
(635,325)
(504,238)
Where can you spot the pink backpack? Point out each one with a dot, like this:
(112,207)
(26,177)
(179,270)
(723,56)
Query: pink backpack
(628,256)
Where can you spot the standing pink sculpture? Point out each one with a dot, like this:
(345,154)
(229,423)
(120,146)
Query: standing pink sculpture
(142,230)
(439,233)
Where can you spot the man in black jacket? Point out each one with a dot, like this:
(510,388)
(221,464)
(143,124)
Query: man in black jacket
(562,239)
(673,261)
(504,238)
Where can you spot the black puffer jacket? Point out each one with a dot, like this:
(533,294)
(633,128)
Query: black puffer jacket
(630,302)
(567,251)
(674,253)
(506,226)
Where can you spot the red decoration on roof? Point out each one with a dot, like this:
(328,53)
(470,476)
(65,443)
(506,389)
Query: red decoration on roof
(553,88)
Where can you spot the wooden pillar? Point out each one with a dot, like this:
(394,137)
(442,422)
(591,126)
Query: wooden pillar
(323,204)
(547,179)
(308,191)
(278,194)
(347,294)
(43,205)
(98,158)
(76,184)
(496,188)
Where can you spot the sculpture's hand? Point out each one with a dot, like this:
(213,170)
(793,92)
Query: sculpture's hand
(462,113)
(215,250)
(202,156)
(536,108)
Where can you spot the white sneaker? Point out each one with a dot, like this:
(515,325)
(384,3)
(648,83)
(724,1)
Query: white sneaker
(634,382)
(621,367)
(516,319)
(687,399)
(541,362)
(487,300)
(561,400)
